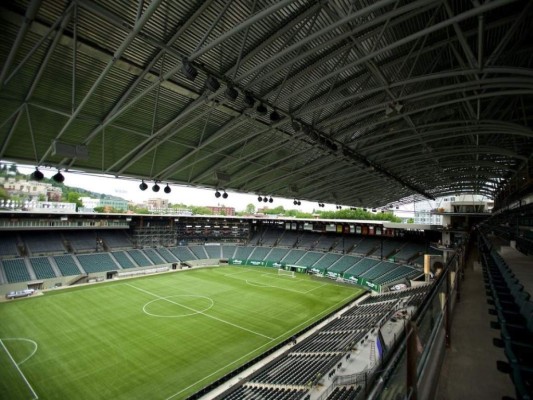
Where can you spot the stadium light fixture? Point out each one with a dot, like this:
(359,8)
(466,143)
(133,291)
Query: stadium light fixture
(188,70)
(249,100)
(261,109)
(274,116)
(212,83)
(37,175)
(167,189)
(259,199)
(231,93)
(271,200)
(59,178)
(217,194)
(156,187)
(143,186)
(299,203)
(265,199)
(295,202)
(224,195)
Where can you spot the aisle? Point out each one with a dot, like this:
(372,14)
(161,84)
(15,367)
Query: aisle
(469,367)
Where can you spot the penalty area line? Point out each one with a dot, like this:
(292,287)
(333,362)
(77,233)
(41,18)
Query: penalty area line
(201,312)
(18,369)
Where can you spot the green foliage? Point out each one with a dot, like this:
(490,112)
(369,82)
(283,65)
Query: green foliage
(411,221)
(74,197)
(200,210)
(359,214)
(279,210)
(250,209)
(3,194)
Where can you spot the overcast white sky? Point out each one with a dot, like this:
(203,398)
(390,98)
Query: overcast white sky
(129,190)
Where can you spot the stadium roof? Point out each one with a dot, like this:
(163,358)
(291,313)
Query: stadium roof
(367,102)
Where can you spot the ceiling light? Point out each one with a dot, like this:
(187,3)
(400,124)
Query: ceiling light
(249,100)
(261,109)
(37,175)
(156,187)
(271,200)
(143,186)
(296,126)
(59,178)
(265,199)
(259,199)
(217,194)
(274,116)
(225,195)
(299,203)
(188,70)
(167,189)
(231,93)
(295,202)
(212,84)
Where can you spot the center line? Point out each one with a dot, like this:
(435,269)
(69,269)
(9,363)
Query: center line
(201,312)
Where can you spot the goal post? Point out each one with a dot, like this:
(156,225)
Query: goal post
(284,272)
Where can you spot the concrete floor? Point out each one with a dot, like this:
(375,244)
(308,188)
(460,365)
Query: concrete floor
(469,368)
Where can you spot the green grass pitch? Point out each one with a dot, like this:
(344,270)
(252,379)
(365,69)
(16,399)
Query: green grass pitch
(158,337)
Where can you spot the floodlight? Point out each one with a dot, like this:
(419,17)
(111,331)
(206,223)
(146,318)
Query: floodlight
(231,93)
(37,175)
(225,195)
(143,186)
(156,187)
(167,189)
(299,203)
(59,178)
(271,200)
(261,109)
(212,83)
(265,199)
(217,194)
(188,70)
(259,199)
(249,100)
(274,116)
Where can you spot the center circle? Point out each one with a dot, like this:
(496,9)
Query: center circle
(178,306)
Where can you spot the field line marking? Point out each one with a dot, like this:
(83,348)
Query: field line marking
(36,346)
(203,313)
(18,369)
(251,352)
(318,287)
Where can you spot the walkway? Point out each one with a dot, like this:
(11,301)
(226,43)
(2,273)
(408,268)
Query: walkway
(469,368)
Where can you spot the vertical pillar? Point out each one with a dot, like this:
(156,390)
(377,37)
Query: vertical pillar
(411,360)
(447,318)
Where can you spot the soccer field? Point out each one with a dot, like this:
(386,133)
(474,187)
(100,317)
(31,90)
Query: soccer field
(158,337)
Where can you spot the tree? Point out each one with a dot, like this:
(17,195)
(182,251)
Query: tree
(250,209)
(74,197)
(410,221)
(3,194)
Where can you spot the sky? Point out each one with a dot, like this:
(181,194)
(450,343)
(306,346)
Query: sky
(129,189)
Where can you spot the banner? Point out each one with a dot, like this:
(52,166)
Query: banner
(256,263)
(363,282)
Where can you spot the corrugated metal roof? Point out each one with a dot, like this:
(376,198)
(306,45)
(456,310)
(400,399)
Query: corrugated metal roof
(390,95)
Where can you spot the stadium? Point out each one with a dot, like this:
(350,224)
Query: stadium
(357,105)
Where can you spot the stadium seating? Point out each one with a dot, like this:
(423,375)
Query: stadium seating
(123,259)
(8,244)
(154,256)
(270,237)
(344,393)
(378,270)
(408,251)
(326,242)
(243,252)
(183,253)
(199,252)
(81,241)
(213,252)
(367,246)
(288,239)
(362,266)
(343,263)
(259,253)
(42,243)
(116,239)
(167,255)
(67,265)
(293,256)
(252,393)
(397,273)
(140,258)
(277,254)
(327,260)
(308,240)
(310,258)
(42,268)
(228,251)
(97,262)
(15,270)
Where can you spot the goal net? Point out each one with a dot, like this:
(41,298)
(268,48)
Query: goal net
(286,273)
